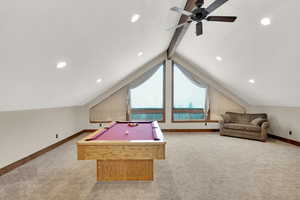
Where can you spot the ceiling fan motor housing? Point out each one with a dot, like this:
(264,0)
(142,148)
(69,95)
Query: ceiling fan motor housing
(199,3)
(199,14)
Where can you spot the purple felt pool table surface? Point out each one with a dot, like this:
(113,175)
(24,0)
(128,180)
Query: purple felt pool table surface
(122,131)
(124,152)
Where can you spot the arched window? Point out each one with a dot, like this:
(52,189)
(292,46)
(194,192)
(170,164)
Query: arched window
(189,99)
(147,98)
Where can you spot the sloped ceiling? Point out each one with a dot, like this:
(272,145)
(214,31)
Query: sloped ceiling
(268,54)
(96,38)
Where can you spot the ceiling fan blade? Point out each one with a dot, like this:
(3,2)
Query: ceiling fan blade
(199,28)
(181,11)
(216,4)
(177,26)
(221,18)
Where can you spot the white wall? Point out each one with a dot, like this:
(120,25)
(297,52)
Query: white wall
(25,132)
(221,99)
(282,120)
(84,118)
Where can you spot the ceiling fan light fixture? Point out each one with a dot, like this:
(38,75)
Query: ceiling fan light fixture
(199,13)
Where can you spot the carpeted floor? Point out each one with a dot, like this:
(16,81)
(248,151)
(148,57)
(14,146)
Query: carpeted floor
(202,166)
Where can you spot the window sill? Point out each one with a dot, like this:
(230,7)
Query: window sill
(97,122)
(195,121)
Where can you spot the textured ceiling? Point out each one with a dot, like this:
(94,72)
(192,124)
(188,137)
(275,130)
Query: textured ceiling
(95,37)
(268,54)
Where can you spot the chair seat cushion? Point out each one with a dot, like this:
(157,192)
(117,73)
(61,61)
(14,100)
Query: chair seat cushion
(243,127)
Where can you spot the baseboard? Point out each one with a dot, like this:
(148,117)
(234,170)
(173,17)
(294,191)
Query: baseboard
(22,161)
(89,130)
(190,130)
(294,142)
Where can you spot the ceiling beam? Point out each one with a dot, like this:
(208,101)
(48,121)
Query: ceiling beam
(179,32)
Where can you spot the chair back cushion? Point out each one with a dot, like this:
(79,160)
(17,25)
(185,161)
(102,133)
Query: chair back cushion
(226,118)
(237,117)
(258,115)
(244,118)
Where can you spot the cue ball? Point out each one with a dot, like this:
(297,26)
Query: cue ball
(126,132)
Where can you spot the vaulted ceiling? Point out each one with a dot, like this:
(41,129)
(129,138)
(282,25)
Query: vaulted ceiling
(267,54)
(97,40)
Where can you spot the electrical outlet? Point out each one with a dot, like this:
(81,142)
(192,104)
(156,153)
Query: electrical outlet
(290,132)
(56,135)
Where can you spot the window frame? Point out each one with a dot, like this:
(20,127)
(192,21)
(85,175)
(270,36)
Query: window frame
(153,110)
(185,110)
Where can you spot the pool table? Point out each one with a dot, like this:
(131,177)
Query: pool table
(124,150)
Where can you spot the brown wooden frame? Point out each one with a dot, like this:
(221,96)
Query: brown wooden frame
(192,110)
(190,130)
(100,122)
(123,159)
(154,110)
(183,109)
(145,111)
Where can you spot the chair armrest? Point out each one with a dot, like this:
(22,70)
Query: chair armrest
(264,130)
(221,121)
(265,125)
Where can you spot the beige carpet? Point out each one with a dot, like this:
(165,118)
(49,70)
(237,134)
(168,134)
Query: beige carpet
(198,166)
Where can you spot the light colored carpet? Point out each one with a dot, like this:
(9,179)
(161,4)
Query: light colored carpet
(202,166)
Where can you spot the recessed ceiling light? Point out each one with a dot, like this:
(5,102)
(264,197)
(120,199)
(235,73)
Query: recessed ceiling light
(265,21)
(99,80)
(252,81)
(219,58)
(135,18)
(61,65)
(140,53)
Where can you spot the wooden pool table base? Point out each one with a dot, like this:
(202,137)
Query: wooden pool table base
(124,170)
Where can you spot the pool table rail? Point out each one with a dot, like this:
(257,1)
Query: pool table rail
(121,149)
(158,132)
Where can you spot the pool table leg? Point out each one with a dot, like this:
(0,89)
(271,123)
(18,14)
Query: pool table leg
(121,170)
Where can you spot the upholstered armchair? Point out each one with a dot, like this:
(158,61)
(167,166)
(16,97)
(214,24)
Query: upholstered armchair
(250,126)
